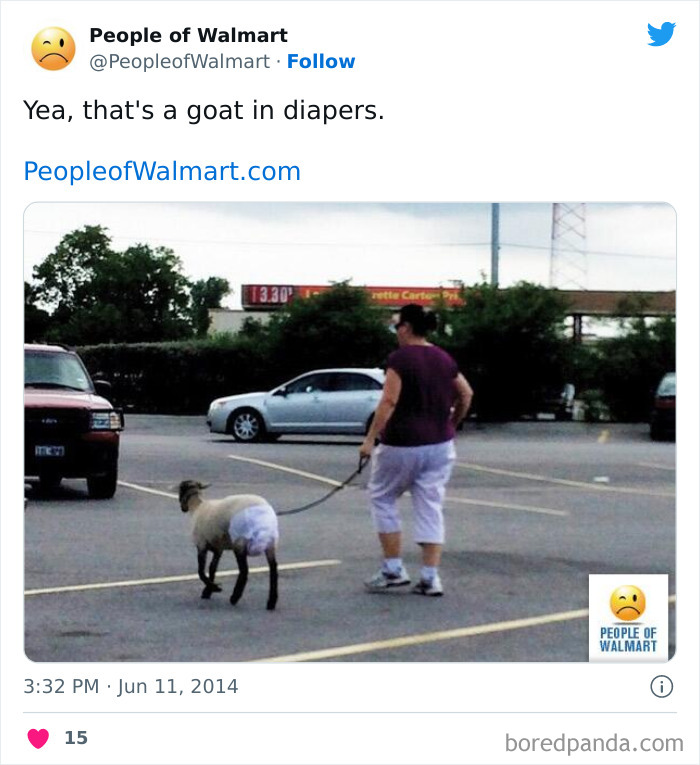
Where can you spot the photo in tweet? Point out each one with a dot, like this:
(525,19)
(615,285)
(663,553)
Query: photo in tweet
(230,358)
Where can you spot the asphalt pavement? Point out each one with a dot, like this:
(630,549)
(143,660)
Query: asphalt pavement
(532,509)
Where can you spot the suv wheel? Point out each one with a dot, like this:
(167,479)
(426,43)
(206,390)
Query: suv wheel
(246,425)
(103,486)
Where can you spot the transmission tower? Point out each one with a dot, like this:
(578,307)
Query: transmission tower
(568,263)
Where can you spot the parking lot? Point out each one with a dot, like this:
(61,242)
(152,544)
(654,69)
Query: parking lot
(532,509)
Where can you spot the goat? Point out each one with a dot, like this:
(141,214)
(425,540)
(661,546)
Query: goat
(244,523)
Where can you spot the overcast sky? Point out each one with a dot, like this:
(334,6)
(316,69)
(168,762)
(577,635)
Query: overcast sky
(629,246)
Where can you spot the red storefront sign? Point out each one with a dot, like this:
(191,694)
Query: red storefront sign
(270,295)
(276,295)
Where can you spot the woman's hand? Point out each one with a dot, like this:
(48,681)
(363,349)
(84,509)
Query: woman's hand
(367,446)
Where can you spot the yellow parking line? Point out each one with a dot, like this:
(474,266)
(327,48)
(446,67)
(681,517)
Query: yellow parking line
(284,469)
(314,476)
(432,637)
(563,481)
(169,579)
(506,506)
(428,637)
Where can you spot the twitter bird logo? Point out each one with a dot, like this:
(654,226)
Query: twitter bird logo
(663,35)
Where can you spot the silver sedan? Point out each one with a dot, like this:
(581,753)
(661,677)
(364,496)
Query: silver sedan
(332,401)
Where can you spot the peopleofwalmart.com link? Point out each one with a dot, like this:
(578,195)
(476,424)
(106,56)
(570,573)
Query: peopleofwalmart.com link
(574,745)
(155,172)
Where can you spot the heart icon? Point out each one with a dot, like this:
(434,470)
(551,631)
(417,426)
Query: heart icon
(37,738)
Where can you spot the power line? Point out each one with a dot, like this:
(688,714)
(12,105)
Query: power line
(230,242)
(394,245)
(594,252)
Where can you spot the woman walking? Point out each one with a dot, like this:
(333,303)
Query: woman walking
(425,397)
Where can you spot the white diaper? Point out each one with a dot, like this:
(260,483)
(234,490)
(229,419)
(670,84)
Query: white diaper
(258,526)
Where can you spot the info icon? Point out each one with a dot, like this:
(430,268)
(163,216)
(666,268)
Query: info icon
(661,686)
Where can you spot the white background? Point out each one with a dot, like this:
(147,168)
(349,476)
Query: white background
(490,101)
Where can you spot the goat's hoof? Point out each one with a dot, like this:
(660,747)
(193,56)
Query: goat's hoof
(206,593)
(233,600)
(215,588)
(271,606)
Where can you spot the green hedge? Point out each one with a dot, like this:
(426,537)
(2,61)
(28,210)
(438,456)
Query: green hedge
(178,378)
(184,377)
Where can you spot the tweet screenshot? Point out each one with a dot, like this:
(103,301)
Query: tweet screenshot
(359,344)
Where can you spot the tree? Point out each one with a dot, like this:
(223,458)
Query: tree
(36,320)
(98,295)
(71,266)
(511,345)
(339,327)
(630,366)
(206,294)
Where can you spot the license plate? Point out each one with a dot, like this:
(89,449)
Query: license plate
(49,451)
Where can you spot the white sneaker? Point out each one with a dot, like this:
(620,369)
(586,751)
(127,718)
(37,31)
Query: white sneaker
(432,587)
(383,581)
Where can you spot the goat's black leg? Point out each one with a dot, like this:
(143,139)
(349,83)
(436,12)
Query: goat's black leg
(209,585)
(242,560)
(272,563)
(201,570)
(216,557)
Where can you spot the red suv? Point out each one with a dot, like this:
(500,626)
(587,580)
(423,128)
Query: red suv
(70,429)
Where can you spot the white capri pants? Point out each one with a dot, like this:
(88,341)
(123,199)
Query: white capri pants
(422,470)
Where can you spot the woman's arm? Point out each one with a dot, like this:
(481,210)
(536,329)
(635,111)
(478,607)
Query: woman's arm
(463,399)
(382,414)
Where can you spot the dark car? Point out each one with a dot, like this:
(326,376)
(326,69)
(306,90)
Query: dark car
(662,424)
(70,429)
(558,401)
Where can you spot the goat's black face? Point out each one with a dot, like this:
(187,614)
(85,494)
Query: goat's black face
(187,489)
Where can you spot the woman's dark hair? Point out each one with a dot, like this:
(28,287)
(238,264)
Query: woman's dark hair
(421,321)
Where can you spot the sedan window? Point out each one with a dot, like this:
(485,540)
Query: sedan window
(349,381)
(309,384)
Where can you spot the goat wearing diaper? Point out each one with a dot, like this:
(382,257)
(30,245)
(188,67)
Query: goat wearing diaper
(243,523)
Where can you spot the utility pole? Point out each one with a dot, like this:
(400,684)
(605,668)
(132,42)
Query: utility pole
(495,245)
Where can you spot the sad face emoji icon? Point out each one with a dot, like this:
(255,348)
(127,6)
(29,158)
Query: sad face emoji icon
(628,602)
(53,48)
